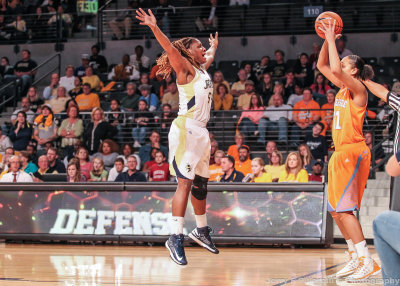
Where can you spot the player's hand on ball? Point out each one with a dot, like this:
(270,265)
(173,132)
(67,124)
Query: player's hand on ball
(329,31)
(146,19)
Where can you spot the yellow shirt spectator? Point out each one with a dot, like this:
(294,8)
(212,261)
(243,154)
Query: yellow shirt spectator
(264,178)
(302,177)
(275,171)
(86,102)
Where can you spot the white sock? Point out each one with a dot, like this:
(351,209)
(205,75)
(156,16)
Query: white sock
(201,220)
(362,249)
(177,225)
(351,246)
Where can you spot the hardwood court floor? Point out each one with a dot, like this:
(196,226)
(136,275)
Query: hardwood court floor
(89,265)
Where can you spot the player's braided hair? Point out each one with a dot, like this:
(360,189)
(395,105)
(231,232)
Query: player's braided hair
(182,45)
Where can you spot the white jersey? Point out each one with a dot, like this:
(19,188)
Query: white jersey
(195,97)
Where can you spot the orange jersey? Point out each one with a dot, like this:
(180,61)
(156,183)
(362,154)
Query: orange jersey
(348,120)
(304,114)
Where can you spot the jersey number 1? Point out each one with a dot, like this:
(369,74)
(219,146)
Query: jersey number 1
(337,116)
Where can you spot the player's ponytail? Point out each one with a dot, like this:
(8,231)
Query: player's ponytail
(364,71)
(182,45)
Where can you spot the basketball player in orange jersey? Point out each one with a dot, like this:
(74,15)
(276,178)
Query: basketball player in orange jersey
(349,165)
(188,138)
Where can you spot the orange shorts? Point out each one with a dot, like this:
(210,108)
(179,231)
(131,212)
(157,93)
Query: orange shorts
(348,172)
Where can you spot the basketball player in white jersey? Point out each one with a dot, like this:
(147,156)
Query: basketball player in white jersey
(189,142)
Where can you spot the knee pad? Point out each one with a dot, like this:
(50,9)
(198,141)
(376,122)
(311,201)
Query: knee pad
(199,187)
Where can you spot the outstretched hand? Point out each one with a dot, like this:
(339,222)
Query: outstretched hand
(329,31)
(146,19)
(213,41)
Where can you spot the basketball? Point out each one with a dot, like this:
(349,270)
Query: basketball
(325,17)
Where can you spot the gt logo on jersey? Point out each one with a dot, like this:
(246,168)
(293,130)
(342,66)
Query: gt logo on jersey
(209,84)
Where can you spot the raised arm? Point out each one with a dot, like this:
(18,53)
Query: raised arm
(377,89)
(323,65)
(356,87)
(210,53)
(178,62)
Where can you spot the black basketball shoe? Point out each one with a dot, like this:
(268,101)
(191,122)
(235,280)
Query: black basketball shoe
(202,237)
(175,246)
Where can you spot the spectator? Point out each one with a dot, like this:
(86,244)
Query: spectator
(145,150)
(59,102)
(171,97)
(266,88)
(87,100)
(317,143)
(320,87)
(71,130)
(263,67)
(43,164)
(152,161)
(61,21)
(81,70)
(305,113)
(82,155)
(78,88)
(5,159)
(34,100)
(222,99)
(92,79)
(294,171)
(127,150)
(145,79)
(258,173)
(108,152)
(5,141)
(31,149)
(45,128)
(143,121)
(161,84)
(279,69)
(97,130)
(124,71)
(218,78)
(131,100)
(279,88)
(132,175)
(303,70)
(269,148)
(98,174)
(251,116)
(208,19)
(307,158)
(276,165)
(159,172)
(71,155)
(96,61)
(245,98)
(379,154)
(165,123)
(55,164)
(250,74)
(25,107)
(39,21)
(316,175)
(163,16)
(68,81)
(73,172)
(243,165)
(233,150)
(327,110)
(119,167)
(275,119)
(26,163)
(341,48)
(229,172)
(15,174)
(24,69)
(116,118)
(296,96)
(216,169)
(150,98)
(5,67)
(140,61)
(214,148)
(314,56)
(290,84)
(238,88)
(122,24)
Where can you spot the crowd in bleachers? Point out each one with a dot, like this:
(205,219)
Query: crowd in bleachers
(275,103)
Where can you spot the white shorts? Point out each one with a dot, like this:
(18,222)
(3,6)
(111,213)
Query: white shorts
(189,148)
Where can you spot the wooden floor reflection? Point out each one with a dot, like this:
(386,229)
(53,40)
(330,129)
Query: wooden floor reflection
(72,265)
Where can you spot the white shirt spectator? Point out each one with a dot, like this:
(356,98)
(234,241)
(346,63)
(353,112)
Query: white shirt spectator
(21,177)
(5,142)
(30,115)
(67,82)
(112,175)
(137,159)
(274,113)
(145,62)
(294,98)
